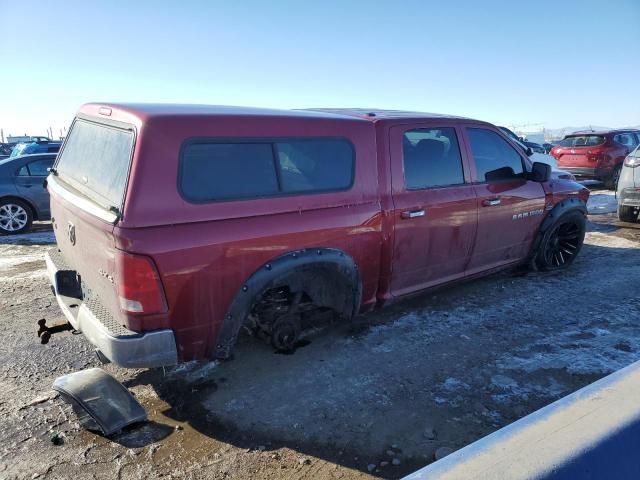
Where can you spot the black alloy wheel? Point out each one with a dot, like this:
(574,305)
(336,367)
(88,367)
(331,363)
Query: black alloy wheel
(562,242)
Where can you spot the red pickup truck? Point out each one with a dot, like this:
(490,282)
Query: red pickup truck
(178,225)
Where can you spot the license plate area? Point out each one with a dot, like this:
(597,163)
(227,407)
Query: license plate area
(68,284)
(574,159)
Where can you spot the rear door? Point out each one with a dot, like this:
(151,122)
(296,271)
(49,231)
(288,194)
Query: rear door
(29,182)
(435,209)
(510,206)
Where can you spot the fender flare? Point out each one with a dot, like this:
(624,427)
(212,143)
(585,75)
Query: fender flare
(565,206)
(302,270)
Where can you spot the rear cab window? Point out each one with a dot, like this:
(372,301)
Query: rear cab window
(95,161)
(234,169)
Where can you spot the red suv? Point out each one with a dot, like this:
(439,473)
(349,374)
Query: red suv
(596,155)
(178,225)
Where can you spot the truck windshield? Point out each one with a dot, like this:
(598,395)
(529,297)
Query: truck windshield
(95,160)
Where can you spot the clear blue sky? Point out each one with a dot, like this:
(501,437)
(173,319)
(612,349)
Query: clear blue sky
(551,62)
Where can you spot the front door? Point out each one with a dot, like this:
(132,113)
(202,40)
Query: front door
(510,206)
(435,208)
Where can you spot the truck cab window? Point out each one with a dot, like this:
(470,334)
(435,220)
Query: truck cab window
(431,158)
(495,159)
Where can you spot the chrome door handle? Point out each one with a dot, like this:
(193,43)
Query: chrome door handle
(413,214)
(491,202)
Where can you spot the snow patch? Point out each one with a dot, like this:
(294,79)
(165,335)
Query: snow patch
(604,240)
(36,238)
(602,202)
(12,259)
(452,384)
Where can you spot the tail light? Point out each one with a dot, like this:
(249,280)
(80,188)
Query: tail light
(139,287)
(632,161)
(597,155)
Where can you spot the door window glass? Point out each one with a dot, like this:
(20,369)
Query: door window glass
(495,158)
(39,168)
(431,158)
(625,139)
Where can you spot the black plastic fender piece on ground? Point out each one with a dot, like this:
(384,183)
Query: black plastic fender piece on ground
(100,401)
(328,275)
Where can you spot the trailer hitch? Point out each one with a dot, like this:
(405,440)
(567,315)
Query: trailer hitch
(45,332)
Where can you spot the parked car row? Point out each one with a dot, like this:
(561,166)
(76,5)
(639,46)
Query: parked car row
(596,155)
(38,146)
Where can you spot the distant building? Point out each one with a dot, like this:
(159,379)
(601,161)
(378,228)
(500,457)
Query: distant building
(536,136)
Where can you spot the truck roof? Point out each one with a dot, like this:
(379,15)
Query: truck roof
(374,114)
(145,111)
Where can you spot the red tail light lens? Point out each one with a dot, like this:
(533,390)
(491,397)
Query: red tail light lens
(139,287)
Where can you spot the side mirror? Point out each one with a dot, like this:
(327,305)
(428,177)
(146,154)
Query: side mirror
(529,151)
(541,172)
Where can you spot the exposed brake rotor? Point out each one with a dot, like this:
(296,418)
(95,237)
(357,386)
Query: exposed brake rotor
(285,332)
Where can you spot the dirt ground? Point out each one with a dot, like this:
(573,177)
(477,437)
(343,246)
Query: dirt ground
(375,398)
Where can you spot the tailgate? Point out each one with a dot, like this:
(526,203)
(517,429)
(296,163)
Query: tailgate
(87,187)
(87,246)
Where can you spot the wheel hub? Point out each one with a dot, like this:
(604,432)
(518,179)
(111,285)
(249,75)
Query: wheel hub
(12,217)
(285,332)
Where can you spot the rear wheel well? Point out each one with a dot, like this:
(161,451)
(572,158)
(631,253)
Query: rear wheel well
(296,283)
(34,212)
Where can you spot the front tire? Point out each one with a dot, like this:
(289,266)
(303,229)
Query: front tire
(562,242)
(15,217)
(627,214)
(612,182)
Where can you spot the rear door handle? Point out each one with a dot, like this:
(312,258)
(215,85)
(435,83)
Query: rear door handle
(491,202)
(413,213)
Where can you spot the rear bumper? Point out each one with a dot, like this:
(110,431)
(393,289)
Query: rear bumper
(629,197)
(585,172)
(121,346)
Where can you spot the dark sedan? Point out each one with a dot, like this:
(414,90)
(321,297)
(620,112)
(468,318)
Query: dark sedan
(23,197)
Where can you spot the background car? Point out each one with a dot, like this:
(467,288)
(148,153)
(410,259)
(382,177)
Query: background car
(23,197)
(596,155)
(536,147)
(628,190)
(40,146)
(533,155)
(5,150)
